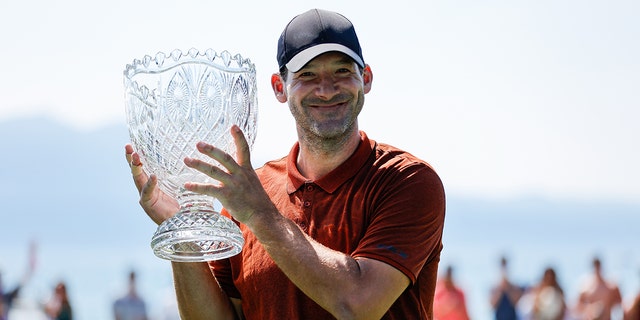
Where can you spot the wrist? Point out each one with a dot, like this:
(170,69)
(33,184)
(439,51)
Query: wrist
(265,221)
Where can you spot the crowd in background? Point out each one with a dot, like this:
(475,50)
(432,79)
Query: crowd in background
(130,306)
(598,299)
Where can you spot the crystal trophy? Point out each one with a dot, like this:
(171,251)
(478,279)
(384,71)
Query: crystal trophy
(172,102)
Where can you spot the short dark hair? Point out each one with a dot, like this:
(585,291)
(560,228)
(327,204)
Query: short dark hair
(283,72)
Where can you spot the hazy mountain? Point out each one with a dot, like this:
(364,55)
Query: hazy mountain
(63,185)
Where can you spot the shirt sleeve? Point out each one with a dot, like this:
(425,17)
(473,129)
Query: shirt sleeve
(406,220)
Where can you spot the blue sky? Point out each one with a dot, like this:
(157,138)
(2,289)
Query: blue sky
(504,98)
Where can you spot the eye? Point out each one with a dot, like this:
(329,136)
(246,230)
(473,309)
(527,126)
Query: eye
(347,69)
(305,75)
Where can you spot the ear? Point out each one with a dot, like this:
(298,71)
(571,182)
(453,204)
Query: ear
(277,84)
(367,78)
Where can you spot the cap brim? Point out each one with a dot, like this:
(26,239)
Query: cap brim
(303,57)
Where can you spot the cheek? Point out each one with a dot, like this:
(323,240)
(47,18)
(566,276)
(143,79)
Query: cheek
(297,94)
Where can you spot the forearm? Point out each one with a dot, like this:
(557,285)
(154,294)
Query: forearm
(334,280)
(198,293)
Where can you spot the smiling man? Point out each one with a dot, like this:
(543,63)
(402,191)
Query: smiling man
(342,227)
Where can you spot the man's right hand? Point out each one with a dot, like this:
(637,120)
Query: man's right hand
(157,204)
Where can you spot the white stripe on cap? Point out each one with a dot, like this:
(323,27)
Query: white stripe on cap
(299,60)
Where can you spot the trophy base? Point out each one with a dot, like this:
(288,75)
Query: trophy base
(197,236)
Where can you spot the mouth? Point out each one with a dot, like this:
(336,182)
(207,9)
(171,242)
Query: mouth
(338,101)
(328,106)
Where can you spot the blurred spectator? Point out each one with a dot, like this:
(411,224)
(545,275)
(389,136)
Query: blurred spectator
(547,298)
(598,297)
(58,306)
(632,312)
(505,295)
(449,302)
(131,306)
(7,297)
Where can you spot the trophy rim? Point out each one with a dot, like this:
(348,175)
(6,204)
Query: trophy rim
(160,62)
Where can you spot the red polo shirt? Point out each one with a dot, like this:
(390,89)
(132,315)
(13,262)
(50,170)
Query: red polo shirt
(382,203)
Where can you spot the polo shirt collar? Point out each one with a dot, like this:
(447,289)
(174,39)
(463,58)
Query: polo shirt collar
(335,178)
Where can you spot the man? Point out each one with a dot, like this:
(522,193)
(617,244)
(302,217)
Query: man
(449,301)
(131,306)
(343,227)
(505,295)
(598,297)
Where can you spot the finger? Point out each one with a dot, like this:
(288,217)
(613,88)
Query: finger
(202,188)
(211,170)
(147,189)
(139,176)
(136,165)
(133,159)
(242,147)
(128,152)
(225,159)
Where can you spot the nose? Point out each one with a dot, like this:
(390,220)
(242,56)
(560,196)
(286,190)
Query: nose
(327,87)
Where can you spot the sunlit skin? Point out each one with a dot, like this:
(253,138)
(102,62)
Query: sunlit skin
(599,297)
(325,98)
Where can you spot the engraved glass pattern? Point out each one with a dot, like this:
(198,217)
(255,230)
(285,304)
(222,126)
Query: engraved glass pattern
(172,102)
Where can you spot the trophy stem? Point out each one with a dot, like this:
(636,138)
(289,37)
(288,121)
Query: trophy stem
(197,233)
(187,199)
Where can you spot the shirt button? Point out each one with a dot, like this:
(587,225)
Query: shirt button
(307,203)
(309,188)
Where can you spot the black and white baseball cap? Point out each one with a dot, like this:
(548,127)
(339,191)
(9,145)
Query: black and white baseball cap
(313,33)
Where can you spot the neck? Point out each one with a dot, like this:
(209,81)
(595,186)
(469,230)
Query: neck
(318,158)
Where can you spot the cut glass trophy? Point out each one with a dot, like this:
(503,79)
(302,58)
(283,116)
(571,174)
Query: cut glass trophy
(172,102)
